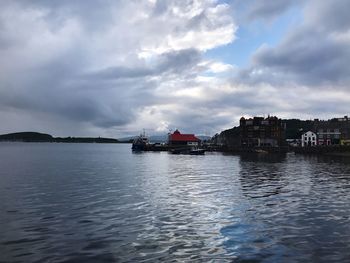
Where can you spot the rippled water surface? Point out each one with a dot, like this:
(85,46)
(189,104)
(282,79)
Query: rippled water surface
(102,203)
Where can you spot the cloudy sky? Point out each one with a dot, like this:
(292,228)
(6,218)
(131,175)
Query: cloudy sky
(112,68)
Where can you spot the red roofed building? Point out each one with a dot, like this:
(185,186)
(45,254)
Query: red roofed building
(177,138)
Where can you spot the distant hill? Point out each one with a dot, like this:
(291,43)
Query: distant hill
(203,137)
(42,137)
(27,137)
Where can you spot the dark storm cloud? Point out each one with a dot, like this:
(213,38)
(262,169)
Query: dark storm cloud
(95,14)
(174,62)
(57,88)
(256,10)
(198,123)
(331,15)
(309,58)
(268,9)
(121,72)
(315,53)
(179,61)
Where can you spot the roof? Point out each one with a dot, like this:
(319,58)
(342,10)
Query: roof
(177,136)
(308,132)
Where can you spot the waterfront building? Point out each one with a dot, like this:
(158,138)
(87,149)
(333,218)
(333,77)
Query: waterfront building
(179,139)
(308,139)
(262,132)
(293,142)
(335,131)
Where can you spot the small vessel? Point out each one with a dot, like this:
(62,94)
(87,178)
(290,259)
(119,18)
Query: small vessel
(197,151)
(179,150)
(260,151)
(190,151)
(140,143)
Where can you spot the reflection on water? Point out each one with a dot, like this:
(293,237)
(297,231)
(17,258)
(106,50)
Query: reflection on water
(101,203)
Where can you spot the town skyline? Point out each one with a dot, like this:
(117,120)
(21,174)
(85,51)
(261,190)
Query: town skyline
(113,68)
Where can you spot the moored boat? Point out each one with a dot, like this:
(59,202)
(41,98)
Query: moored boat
(187,150)
(140,143)
(197,152)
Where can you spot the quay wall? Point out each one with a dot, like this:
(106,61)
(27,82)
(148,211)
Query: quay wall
(330,149)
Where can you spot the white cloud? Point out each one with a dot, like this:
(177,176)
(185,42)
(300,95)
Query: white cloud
(115,67)
(198,25)
(104,64)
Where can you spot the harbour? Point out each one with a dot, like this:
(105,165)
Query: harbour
(174,131)
(177,143)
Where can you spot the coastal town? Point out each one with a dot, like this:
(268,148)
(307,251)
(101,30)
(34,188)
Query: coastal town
(272,132)
(254,134)
(262,135)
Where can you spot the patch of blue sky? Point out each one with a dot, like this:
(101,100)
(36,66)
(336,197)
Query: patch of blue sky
(252,35)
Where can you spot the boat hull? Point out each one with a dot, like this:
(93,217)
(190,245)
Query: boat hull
(188,151)
(138,147)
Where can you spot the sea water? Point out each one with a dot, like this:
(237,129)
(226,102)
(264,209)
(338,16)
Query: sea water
(103,203)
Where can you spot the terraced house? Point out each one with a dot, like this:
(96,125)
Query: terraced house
(262,132)
(335,131)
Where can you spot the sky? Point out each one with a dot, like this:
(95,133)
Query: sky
(113,68)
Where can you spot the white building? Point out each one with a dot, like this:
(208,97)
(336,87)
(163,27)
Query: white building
(308,139)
